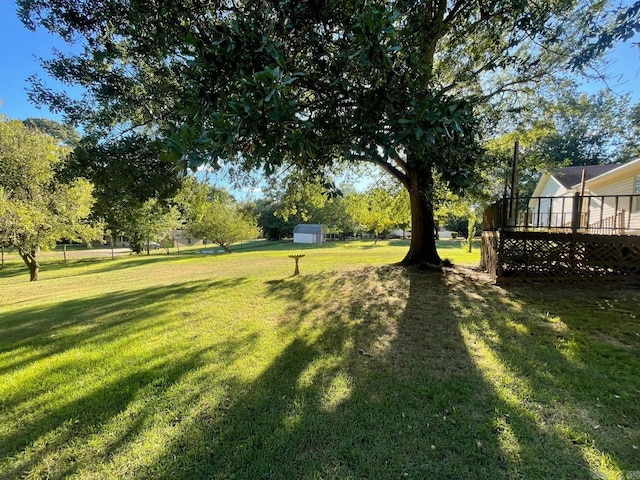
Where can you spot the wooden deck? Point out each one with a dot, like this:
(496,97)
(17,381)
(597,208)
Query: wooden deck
(516,245)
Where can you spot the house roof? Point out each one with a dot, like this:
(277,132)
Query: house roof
(309,228)
(572,176)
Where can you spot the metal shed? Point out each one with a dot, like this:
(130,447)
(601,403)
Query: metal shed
(309,233)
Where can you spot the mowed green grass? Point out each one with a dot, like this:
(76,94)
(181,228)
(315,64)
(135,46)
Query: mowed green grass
(228,367)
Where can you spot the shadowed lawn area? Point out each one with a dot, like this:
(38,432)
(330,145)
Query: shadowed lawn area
(226,366)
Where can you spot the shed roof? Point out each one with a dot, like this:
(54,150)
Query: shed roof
(309,228)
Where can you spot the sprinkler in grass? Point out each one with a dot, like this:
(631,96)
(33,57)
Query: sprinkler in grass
(296,258)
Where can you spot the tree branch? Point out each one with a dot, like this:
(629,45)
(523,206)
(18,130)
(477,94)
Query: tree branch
(386,166)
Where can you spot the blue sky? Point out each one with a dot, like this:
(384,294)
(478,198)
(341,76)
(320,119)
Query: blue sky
(19,47)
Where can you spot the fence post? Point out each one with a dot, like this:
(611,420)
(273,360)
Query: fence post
(576,212)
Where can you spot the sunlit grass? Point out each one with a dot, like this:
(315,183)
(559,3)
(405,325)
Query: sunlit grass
(227,366)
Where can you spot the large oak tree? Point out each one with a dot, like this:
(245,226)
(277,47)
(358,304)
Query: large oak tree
(398,83)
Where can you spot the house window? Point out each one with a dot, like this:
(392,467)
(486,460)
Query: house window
(636,190)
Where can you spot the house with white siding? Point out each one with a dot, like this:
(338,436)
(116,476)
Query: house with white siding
(605,198)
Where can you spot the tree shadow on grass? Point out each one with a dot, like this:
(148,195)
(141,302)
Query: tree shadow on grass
(74,267)
(47,423)
(14,269)
(76,419)
(71,323)
(576,348)
(384,373)
(384,379)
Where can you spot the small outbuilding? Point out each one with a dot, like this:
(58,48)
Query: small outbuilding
(309,233)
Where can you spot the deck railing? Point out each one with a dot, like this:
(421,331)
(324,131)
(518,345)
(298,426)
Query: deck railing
(597,214)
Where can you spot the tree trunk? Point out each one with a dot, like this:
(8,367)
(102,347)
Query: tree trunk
(136,246)
(32,264)
(422,249)
(471,232)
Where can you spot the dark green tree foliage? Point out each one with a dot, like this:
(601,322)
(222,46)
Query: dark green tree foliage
(126,173)
(265,83)
(632,149)
(272,226)
(604,29)
(64,133)
(582,129)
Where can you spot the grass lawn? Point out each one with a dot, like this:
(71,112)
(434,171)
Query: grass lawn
(220,366)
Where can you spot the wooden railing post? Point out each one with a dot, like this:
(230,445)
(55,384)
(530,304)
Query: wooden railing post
(513,204)
(504,212)
(539,219)
(576,212)
(615,215)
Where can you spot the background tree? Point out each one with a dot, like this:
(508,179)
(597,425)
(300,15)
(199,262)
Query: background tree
(394,83)
(401,209)
(559,126)
(126,172)
(213,214)
(276,220)
(273,226)
(461,214)
(152,222)
(37,210)
(581,129)
(304,198)
(223,224)
(632,148)
(64,133)
(335,215)
(374,210)
(301,197)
